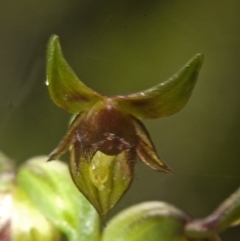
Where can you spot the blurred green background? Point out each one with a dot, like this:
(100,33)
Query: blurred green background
(119,47)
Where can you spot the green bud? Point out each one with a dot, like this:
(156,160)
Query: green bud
(20,220)
(52,191)
(151,221)
(27,222)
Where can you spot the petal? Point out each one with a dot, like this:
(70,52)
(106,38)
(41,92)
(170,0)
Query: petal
(146,150)
(65,89)
(103,180)
(67,140)
(165,98)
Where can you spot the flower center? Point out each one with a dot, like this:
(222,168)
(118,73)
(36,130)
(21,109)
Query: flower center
(108,130)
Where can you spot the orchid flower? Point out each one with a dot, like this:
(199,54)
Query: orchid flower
(107,137)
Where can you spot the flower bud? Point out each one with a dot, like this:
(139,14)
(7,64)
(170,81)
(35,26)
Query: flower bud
(20,220)
(27,222)
(50,188)
(151,221)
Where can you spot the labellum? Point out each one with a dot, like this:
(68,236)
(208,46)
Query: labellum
(106,138)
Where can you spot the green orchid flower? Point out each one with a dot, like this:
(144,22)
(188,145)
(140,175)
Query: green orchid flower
(107,137)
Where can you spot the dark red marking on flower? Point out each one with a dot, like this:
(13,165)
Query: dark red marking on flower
(108,130)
